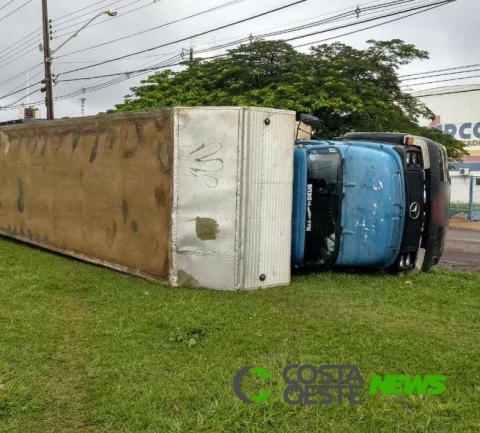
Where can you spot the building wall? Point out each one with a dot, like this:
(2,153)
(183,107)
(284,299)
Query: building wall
(460,188)
(458,113)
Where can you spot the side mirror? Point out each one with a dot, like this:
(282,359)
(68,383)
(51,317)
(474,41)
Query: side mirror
(309,120)
(313,122)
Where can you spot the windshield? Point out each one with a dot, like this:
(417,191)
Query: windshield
(324,192)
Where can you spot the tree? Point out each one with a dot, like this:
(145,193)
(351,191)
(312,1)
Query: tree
(347,88)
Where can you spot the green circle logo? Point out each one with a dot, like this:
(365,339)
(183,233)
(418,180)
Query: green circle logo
(238,390)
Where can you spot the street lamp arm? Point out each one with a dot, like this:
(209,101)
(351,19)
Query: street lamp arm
(110,12)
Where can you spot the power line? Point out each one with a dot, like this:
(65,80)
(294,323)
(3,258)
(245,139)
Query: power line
(89,89)
(439,70)
(188,37)
(14,46)
(17,45)
(222,6)
(270,34)
(341,17)
(28,37)
(16,51)
(443,81)
(234,2)
(11,107)
(442,93)
(20,90)
(304,20)
(28,86)
(338,17)
(433,6)
(91,12)
(79,10)
(178,59)
(107,84)
(56,36)
(129,74)
(20,74)
(364,28)
(15,10)
(16,58)
(351,24)
(4,6)
(439,75)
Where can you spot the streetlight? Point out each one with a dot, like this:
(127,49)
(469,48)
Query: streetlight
(48,53)
(109,12)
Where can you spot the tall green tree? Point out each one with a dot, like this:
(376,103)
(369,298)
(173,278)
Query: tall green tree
(347,88)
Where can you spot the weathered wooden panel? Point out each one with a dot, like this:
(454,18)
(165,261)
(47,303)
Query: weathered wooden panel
(98,188)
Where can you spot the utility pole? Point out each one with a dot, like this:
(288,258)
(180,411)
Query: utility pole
(47,62)
(82,100)
(191,54)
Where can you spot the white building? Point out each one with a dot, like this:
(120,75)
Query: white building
(457,110)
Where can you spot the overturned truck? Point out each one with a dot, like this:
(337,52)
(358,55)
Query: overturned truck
(222,197)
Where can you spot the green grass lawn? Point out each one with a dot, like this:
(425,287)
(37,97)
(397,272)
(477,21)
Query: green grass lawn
(85,349)
(464,207)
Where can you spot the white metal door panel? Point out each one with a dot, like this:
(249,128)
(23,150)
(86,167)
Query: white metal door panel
(209,142)
(267,248)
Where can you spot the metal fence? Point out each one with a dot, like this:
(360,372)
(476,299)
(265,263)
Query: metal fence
(465,197)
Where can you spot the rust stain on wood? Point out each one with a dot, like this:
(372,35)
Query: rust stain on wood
(20,199)
(160,197)
(110,234)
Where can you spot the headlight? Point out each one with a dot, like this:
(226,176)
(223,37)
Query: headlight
(402,261)
(409,158)
(414,159)
(408,260)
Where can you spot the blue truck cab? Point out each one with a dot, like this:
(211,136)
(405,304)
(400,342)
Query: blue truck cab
(377,201)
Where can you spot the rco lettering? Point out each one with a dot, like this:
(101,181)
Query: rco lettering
(464,131)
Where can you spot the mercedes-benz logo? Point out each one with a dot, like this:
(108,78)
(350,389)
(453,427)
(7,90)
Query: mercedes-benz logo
(415,211)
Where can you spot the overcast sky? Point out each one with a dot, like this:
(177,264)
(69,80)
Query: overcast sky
(450,33)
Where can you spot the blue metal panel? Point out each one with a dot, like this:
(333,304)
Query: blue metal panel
(373,204)
(299,216)
(373,208)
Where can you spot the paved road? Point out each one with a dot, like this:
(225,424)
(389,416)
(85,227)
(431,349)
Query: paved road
(462,250)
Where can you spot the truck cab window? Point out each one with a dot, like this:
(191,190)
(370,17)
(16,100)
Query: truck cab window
(323,205)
